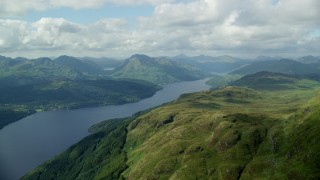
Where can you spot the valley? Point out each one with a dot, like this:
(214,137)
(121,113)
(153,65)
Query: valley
(244,128)
(159,89)
(233,132)
(63,128)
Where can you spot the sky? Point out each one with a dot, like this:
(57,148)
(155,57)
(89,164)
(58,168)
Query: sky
(120,28)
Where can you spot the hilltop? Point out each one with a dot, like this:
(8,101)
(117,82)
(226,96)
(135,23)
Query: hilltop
(309,59)
(35,68)
(157,70)
(286,66)
(275,81)
(85,67)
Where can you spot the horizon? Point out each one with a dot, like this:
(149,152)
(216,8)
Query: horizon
(108,28)
(181,54)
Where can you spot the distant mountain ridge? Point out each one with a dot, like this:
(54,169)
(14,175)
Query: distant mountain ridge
(276,81)
(85,67)
(104,62)
(29,85)
(287,66)
(157,70)
(209,64)
(309,59)
(41,67)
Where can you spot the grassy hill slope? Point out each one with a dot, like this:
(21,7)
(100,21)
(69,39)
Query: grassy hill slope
(230,133)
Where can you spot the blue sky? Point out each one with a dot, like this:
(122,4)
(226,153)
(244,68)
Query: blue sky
(120,28)
(87,16)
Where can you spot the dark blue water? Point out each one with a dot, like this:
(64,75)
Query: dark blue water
(31,141)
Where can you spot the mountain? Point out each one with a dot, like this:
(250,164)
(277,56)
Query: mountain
(230,133)
(104,62)
(309,59)
(275,81)
(265,58)
(217,81)
(51,94)
(20,99)
(42,84)
(37,68)
(6,62)
(85,67)
(220,64)
(282,66)
(156,70)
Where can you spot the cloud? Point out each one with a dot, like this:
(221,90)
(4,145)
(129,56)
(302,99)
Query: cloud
(248,25)
(78,4)
(14,8)
(198,26)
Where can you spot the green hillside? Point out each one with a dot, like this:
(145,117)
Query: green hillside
(54,94)
(156,70)
(85,67)
(9,114)
(104,62)
(36,68)
(309,59)
(276,81)
(42,84)
(20,99)
(286,66)
(229,133)
(217,81)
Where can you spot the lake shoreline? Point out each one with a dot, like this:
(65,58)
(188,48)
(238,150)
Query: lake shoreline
(52,132)
(51,107)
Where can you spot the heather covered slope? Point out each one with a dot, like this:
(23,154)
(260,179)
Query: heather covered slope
(230,133)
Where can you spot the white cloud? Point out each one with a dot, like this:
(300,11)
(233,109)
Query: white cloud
(78,4)
(13,8)
(199,26)
(238,26)
(17,7)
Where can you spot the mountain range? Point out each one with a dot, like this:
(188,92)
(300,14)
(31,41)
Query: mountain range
(261,121)
(209,64)
(83,66)
(287,66)
(30,85)
(157,70)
